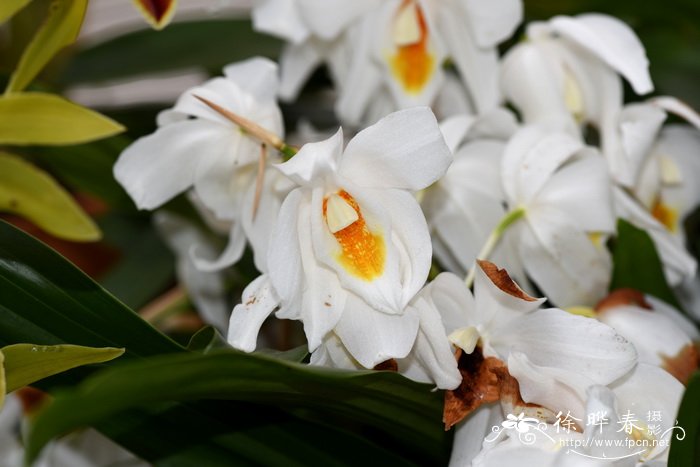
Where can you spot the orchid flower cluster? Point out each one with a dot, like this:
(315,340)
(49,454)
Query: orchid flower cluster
(470,164)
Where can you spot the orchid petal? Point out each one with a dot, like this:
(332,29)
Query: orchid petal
(531,157)
(332,353)
(256,76)
(581,347)
(159,166)
(259,300)
(655,336)
(323,298)
(314,160)
(493,22)
(432,351)
(297,63)
(405,150)
(611,40)
(373,337)
(478,66)
(206,290)
(280,18)
(328,18)
(229,256)
(534,83)
(562,260)
(284,256)
(498,299)
(470,434)
(582,188)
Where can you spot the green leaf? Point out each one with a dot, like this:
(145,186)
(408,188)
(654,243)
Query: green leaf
(32,193)
(39,118)
(60,29)
(685,450)
(45,299)
(393,405)
(205,45)
(9,7)
(207,339)
(28,363)
(636,264)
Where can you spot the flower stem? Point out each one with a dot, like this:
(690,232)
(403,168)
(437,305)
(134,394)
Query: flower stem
(253,129)
(494,238)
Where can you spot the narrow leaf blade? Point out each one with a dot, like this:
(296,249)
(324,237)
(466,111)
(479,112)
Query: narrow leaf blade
(60,29)
(28,363)
(31,193)
(9,7)
(39,118)
(636,264)
(685,446)
(397,407)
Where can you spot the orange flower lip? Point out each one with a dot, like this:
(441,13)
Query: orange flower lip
(362,253)
(413,65)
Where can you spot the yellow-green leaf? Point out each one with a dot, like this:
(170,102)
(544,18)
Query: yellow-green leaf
(60,29)
(3,386)
(39,118)
(9,7)
(32,193)
(28,363)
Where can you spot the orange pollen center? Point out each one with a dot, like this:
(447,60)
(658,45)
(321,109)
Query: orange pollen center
(362,253)
(413,65)
(665,214)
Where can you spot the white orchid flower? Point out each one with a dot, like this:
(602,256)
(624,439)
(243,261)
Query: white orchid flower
(661,161)
(660,333)
(431,360)
(351,247)
(196,147)
(465,205)
(396,47)
(513,351)
(559,196)
(207,290)
(566,73)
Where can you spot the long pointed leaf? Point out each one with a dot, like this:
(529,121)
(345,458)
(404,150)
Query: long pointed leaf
(32,193)
(39,118)
(60,29)
(392,404)
(28,363)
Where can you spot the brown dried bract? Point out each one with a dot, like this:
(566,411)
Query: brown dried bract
(503,281)
(622,297)
(683,364)
(481,379)
(388,365)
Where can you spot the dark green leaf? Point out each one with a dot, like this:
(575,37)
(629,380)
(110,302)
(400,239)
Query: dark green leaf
(202,44)
(46,300)
(206,340)
(395,406)
(636,264)
(685,452)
